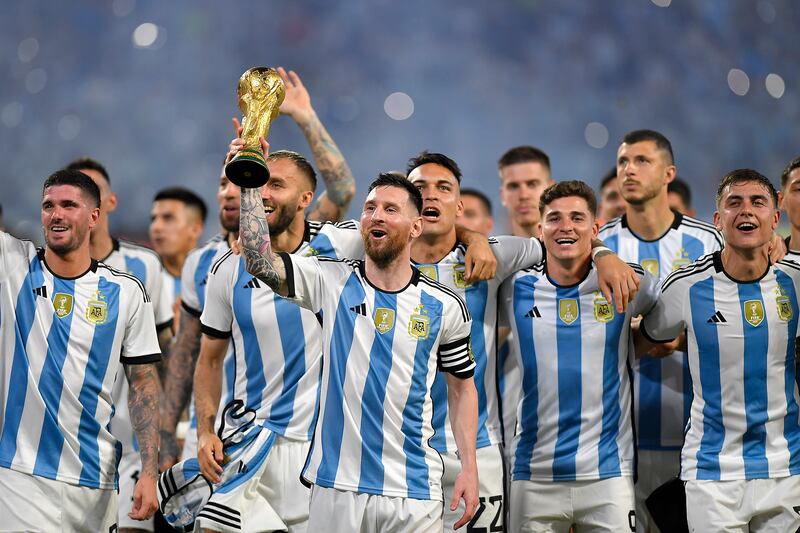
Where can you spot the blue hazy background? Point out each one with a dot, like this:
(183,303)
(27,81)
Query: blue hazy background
(148,87)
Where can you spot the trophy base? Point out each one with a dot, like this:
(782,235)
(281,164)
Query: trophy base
(247,171)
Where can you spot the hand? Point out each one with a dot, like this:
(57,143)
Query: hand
(465,488)
(238,143)
(777,248)
(168,452)
(667,348)
(616,278)
(480,262)
(145,501)
(210,456)
(297,103)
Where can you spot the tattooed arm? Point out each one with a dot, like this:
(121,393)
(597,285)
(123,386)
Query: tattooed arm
(259,258)
(340,185)
(178,385)
(143,402)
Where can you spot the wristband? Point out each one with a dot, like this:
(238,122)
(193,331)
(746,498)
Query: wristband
(599,249)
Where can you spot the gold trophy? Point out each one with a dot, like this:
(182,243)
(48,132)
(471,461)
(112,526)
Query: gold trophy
(261,92)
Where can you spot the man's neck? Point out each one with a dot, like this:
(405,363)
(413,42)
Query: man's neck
(70,265)
(289,239)
(568,271)
(746,264)
(174,264)
(430,249)
(794,239)
(100,243)
(651,219)
(528,230)
(394,276)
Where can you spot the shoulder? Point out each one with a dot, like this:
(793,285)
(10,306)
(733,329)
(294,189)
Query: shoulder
(132,249)
(123,279)
(612,226)
(690,273)
(226,257)
(700,228)
(445,294)
(315,227)
(790,268)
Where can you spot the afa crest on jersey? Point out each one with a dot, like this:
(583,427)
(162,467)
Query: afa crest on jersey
(459,276)
(754,312)
(430,271)
(603,312)
(568,310)
(97,309)
(419,325)
(383,319)
(651,265)
(62,304)
(681,259)
(785,311)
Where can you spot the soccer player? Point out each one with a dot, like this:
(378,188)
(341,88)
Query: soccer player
(612,204)
(680,197)
(438,253)
(524,174)
(477,212)
(176,223)
(70,325)
(790,202)
(573,455)
(331,204)
(660,240)
(145,265)
(386,330)
(741,456)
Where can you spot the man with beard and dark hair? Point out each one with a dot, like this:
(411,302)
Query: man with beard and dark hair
(393,327)
(70,325)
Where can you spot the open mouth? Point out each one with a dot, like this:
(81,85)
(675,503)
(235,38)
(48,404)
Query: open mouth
(746,227)
(431,213)
(565,241)
(268,209)
(58,228)
(377,233)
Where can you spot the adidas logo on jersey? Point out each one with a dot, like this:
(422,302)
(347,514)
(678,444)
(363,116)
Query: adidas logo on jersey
(252,284)
(533,313)
(716,318)
(360,309)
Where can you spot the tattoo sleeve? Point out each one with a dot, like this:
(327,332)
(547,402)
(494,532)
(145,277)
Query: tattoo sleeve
(180,371)
(340,185)
(143,402)
(259,258)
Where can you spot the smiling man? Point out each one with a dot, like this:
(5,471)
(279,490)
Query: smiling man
(741,457)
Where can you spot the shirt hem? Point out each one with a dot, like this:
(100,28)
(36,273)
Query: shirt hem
(69,480)
(582,477)
(738,477)
(432,495)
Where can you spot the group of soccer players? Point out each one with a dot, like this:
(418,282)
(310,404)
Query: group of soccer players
(404,372)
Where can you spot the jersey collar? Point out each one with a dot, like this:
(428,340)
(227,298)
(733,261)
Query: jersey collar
(92,266)
(676,223)
(415,274)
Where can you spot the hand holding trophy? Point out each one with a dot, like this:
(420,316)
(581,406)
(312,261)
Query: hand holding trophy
(261,92)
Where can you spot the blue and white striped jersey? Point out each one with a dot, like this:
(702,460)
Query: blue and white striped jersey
(745,422)
(662,390)
(277,346)
(381,351)
(62,341)
(574,351)
(513,253)
(144,264)
(172,286)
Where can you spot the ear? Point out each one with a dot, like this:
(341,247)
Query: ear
(306,198)
(717,222)
(94,216)
(780,200)
(595,229)
(670,174)
(489,225)
(112,201)
(776,219)
(459,208)
(416,227)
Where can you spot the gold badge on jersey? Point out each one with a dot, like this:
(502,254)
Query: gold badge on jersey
(430,271)
(97,309)
(651,265)
(681,259)
(459,276)
(785,312)
(419,325)
(568,310)
(754,312)
(383,319)
(62,303)
(603,312)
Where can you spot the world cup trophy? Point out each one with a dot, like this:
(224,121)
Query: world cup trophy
(261,92)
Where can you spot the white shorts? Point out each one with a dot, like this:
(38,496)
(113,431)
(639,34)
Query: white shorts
(601,505)
(763,505)
(655,468)
(491,508)
(33,503)
(338,511)
(129,466)
(271,498)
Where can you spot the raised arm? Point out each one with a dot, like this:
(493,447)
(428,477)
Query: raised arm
(259,258)
(340,185)
(143,404)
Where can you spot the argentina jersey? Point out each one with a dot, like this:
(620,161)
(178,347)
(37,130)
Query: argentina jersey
(276,345)
(145,265)
(512,253)
(574,351)
(741,339)
(381,352)
(62,341)
(661,386)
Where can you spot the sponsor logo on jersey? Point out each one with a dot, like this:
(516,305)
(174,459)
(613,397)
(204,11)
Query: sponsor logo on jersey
(754,312)
(568,310)
(62,303)
(383,319)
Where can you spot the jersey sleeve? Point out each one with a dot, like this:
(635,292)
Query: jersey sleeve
(10,249)
(647,296)
(140,344)
(665,320)
(217,317)
(190,301)
(515,253)
(162,306)
(304,280)
(455,353)
(339,241)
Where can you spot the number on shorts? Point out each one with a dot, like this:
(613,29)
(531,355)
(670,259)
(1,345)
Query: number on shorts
(496,525)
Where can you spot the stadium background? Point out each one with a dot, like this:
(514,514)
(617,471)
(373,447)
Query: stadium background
(148,87)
